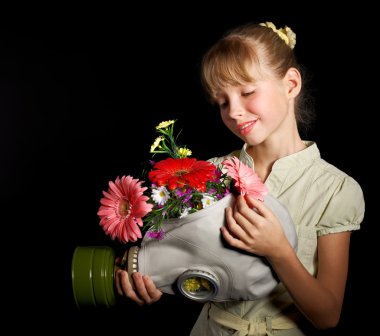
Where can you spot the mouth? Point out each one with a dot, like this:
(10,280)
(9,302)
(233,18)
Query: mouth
(246,127)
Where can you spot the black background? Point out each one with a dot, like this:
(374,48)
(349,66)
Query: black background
(81,90)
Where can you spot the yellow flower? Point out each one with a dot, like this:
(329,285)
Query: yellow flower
(165,124)
(205,284)
(156,143)
(184,152)
(191,285)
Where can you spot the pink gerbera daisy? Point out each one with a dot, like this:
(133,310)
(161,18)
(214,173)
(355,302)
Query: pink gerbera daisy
(246,180)
(122,208)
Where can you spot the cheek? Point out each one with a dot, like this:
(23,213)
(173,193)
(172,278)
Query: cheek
(256,107)
(225,118)
(265,109)
(228,122)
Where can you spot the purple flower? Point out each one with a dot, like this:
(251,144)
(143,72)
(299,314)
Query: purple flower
(156,234)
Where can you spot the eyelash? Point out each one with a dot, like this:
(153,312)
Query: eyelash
(223,104)
(246,94)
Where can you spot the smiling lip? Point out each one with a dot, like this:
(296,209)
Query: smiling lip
(246,127)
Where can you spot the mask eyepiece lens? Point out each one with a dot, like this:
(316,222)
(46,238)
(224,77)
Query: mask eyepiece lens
(198,285)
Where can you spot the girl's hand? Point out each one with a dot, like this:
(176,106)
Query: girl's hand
(144,290)
(253,227)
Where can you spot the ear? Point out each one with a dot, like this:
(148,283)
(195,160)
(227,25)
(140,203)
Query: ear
(293,82)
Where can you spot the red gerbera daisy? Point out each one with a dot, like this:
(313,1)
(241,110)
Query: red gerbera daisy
(176,173)
(122,209)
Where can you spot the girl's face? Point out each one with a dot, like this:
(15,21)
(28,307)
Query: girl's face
(260,111)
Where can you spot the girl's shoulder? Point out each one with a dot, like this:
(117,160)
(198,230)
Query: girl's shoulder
(326,171)
(343,198)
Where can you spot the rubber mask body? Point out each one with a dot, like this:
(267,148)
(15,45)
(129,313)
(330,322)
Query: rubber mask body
(194,244)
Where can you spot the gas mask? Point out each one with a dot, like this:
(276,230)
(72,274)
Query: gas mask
(192,259)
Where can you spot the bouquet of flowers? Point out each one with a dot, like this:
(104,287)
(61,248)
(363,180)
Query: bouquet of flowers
(178,213)
(174,188)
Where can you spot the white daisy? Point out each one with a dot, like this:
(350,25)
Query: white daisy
(207,201)
(160,195)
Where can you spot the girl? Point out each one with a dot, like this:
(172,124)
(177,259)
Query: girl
(253,76)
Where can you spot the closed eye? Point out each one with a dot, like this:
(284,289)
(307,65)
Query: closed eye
(246,94)
(223,104)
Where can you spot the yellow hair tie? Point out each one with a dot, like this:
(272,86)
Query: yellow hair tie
(286,34)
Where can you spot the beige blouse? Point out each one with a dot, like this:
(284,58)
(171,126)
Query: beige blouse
(321,200)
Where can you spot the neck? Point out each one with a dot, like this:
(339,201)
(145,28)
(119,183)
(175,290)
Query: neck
(271,150)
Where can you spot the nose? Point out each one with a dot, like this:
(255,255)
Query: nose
(236,109)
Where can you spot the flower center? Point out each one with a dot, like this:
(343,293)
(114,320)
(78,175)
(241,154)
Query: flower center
(124,208)
(181,172)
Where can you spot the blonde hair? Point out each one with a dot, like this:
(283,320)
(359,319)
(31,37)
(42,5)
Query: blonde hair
(229,62)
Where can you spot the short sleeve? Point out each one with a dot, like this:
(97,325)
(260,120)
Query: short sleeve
(345,209)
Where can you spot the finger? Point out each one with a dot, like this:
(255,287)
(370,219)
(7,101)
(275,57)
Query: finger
(151,288)
(231,240)
(127,287)
(243,207)
(117,283)
(234,227)
(260,207)
(240,228)
(140,287)
(248,219)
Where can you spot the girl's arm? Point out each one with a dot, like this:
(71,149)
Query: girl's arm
(320,299)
